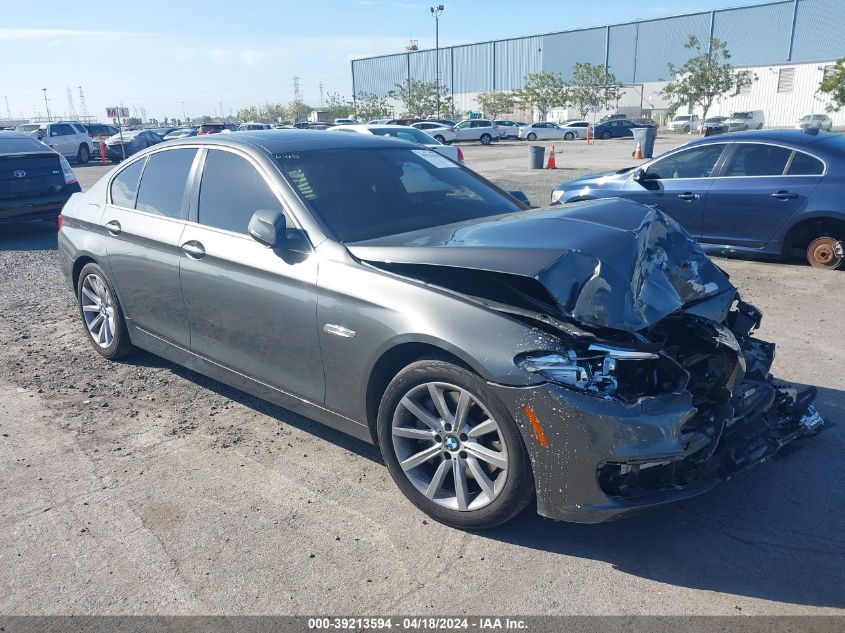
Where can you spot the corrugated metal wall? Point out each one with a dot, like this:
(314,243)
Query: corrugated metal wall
(562,50)
(755,35)
(636,52)
(819,30)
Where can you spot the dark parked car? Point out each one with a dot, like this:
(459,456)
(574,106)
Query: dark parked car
(768,193)
(164,131)
(129,143)
(35,181)
(99,130)
(182,132)
(615,128)
(713,125)
(594,358)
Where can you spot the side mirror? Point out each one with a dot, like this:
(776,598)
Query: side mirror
(267,227)
(639,175)
(40,134)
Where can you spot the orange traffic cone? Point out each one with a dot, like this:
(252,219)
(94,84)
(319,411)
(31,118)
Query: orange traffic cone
(589,128)
(551,164)
(638,153)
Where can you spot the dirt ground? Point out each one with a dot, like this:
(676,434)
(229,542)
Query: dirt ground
(140,487)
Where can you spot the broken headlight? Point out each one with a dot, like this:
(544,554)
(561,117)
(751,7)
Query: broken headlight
(601,369)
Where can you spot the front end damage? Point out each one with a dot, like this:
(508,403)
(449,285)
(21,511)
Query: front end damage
(658,390)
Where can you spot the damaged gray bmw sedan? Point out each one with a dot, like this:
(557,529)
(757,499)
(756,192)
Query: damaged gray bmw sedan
(589,357)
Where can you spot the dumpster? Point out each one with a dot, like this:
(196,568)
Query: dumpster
(646,137)
(536,154)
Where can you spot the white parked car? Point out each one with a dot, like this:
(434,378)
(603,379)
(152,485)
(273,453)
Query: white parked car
(68,138)
(483,130)
(541,131)
(685,123)
(253,126)
(574,129)
(819,121)
(747,120)
(346,122)
(406,133)
(508,128)
(440,132)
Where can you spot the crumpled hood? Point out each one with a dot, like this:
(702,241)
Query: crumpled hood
(608,263)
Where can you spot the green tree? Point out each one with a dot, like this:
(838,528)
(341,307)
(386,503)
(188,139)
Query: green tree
(833,84)
(592,86)
(704,77)
(298,110)
(419,98)
(542,90)
(368,107)
(132,120)
(338,106)
(495,103)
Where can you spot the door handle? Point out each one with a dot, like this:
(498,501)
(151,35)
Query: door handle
(688,196)
(193,249)
(113,227)
(784,195)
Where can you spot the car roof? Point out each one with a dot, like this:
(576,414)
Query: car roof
(293,140)
(797,137)
(13,134)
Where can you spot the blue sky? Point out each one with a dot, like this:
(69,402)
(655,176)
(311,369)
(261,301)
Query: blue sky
(218,55)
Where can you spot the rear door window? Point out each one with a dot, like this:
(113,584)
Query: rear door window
(805,165)
(124,187)
(232,190)
(756,159)
(61,129)
(162,189)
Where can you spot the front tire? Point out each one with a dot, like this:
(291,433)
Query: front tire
(452,448)
(606,135)
(486,139)
(568,136)
(440,139)
(83,154)
(531,137)
(101,313)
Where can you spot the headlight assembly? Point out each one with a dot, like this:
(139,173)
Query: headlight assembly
(557,195)
(599,369)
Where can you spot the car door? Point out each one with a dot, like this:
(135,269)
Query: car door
(57,137)
(678,184)
(463,131)
(250,308)
(760,188)
(143,223)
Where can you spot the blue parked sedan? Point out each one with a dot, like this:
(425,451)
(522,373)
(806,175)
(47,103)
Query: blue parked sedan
(775,193)
(616,128)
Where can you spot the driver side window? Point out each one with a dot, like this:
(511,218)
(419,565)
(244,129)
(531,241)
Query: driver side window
(696,162)
(463,124)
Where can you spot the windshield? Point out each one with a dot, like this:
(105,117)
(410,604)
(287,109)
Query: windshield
(407,134)
(362,194)
(20,145)
(741,115)
(682,117)
(31,127)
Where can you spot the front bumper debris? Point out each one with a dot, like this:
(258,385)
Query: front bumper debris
(605,457)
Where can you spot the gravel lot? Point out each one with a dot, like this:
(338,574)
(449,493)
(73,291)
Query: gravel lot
(140,487)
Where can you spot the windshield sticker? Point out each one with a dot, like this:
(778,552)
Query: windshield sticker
(434,158)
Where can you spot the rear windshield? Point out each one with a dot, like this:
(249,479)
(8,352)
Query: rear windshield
(20,145)
(362,194)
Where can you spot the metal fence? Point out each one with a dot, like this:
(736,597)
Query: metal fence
(636,52)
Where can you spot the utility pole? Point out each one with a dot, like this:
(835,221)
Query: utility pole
(321,95)
(436,12)
(46,104)
(296,94)
(184,114)
(71,109)
(83,106)
(8,109)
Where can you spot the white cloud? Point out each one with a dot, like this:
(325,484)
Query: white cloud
(252,58)
(220,55)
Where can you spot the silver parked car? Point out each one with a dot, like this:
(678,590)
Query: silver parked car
(406,133)
(591,358)
(818,121)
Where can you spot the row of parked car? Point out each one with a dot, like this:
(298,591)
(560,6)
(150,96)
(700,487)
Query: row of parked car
(740,122)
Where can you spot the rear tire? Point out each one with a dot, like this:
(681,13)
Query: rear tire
(449,468)
(568,136)
(486,139)
(83,154)
(440,138)
(101,314)
(606,135)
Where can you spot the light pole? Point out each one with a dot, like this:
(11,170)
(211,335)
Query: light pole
(46,104)
(436,11)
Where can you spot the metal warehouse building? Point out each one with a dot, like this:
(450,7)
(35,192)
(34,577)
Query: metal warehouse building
(786,46)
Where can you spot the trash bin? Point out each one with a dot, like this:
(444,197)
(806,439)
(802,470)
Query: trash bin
(645,136)
(536,154)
